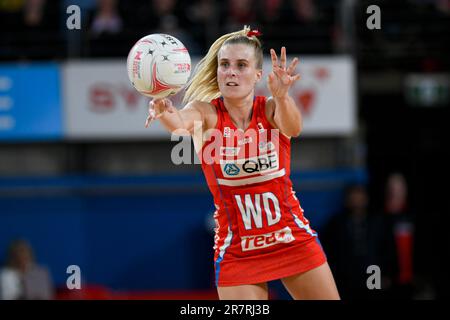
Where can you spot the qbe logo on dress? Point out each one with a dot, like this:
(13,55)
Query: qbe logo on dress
(231,169)
(262,164)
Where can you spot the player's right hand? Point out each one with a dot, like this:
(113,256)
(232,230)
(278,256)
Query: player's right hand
(156,109)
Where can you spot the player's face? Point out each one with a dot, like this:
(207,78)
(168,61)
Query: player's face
(237,73)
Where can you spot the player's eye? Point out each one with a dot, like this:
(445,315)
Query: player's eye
(242,65)
(224,64)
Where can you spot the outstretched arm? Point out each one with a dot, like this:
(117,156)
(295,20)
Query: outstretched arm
(284,112)
(180,122)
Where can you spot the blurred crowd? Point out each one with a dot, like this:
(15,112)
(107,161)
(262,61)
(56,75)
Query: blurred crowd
(363,235)
(22,277)
(36,29)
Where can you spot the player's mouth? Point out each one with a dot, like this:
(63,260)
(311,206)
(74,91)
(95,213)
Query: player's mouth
(232,84)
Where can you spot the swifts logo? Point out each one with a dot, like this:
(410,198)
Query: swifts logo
(229,151)
(266,146)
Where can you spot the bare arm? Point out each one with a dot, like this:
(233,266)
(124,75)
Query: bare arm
(283,111)
(180,122)
(287,116)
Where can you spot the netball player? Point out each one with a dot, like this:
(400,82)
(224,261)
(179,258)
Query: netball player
(244,144)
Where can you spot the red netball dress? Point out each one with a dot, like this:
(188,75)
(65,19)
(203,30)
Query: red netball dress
(261,233)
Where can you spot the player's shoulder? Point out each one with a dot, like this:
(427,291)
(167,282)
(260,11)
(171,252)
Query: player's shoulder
(207,111)
(201,106)
(269,107)
(270,102)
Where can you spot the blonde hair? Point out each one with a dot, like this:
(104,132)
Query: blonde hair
(203,85)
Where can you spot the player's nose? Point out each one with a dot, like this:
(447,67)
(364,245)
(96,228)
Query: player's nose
(232,72)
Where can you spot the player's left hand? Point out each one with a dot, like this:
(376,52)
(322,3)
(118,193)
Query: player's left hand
(281,78)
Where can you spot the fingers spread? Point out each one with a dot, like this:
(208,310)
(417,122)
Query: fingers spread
(147,121)
(295,78)
(280,73)
(283,57)
(168,103)
(292,66)
(151,113)
(274,58)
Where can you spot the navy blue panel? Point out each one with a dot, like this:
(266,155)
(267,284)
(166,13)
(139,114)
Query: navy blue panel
(146,233)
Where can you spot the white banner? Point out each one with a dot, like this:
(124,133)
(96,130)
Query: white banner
(100,102)
(325,94)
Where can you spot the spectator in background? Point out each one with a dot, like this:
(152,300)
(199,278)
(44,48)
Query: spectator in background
(269,19)
(105,25)
(304,11)
(202,16)
(238,13)
(31,30)
(443,6)
(22,277)
(154,16)
(400,234)
(138,16)
(353,241)
(10,12)
(159,16)
(270,12)
(40,27)
(171,20)
(313,25)
(106,18)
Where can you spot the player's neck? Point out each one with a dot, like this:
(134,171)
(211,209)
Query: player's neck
(240,110)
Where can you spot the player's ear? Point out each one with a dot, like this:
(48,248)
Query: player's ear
(258,75)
